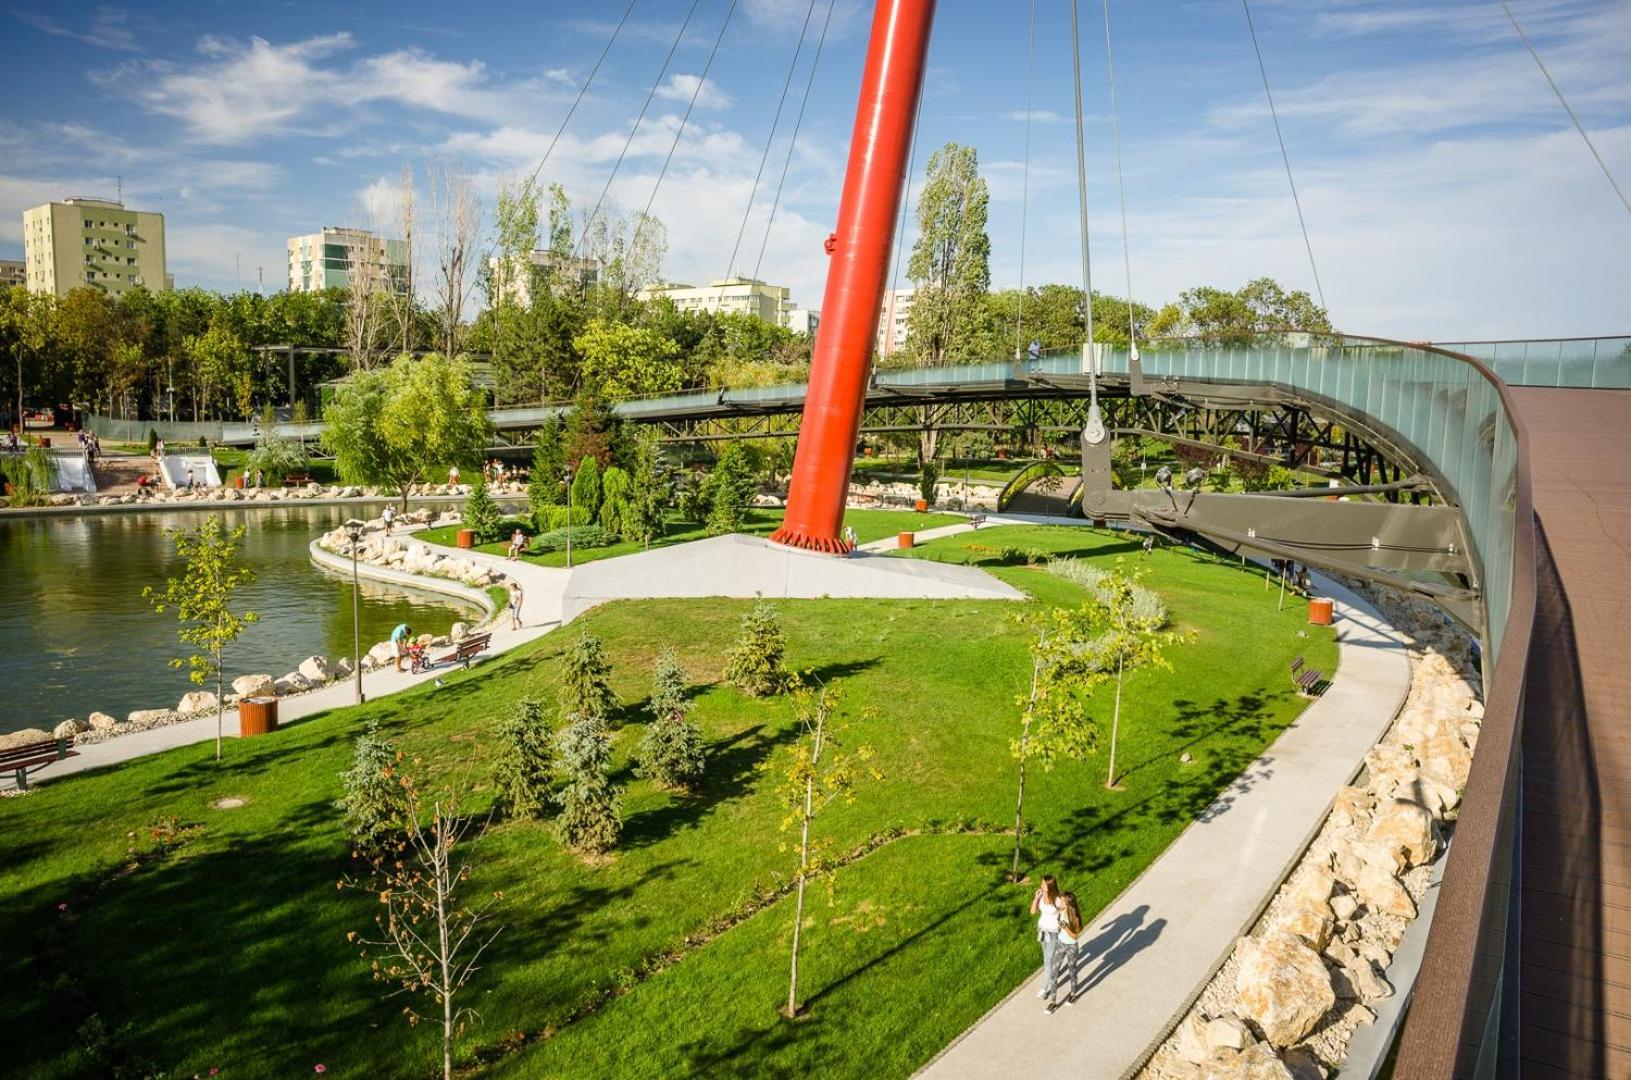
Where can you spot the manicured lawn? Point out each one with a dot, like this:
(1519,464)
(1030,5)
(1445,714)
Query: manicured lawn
(230,952)
(869,525)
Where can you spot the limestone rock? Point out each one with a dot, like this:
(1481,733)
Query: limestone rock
(147,716)
(1387,765)
(1446,759)
(1314,886)
(1191,1044)
(254,686)
(1256,1062)
(101,721)
(1302,1065)
(382,652)
(1382,892)
(1352,805)
(459,632)
(1283,986)
(1344,906)
(1313,922)
(1341,952)
(24,737)
(293,683)
(65,730)
(196,702)
(1404,827)
(343,667)
(1227,1033)
(315,669)
(1370,984)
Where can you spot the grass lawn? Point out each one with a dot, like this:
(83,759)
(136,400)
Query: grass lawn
(982,470)
(230,950)
(869,525)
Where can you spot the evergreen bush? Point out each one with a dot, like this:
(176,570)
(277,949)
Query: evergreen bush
(525,760)
(590,820)
(375,803)
(586,681)
(583,536)
(731,487)
(755,665)
(586,488)
(671,753)
(481,514)
(616,502)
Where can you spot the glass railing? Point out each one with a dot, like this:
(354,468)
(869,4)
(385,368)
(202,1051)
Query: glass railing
(1603,363)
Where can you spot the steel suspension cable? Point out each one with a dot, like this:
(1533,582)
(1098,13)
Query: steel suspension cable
(1285,157)
(1121,186)
(618,164)
(1081,210)
(1025,184)
(1601,164)
(770,139)
(696,91)
(582,90)
(798,122)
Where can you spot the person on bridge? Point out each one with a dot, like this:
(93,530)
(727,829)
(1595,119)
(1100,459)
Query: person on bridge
(1034,350)
(1045,906)
(401,638)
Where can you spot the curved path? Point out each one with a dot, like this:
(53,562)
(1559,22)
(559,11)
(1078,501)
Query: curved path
(541,586)
(1154,948)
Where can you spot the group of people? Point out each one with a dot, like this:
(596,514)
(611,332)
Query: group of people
(1061,933)
(12,444)
(91,445)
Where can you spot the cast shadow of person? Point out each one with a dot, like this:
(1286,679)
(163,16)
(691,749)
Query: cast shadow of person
(1121,939)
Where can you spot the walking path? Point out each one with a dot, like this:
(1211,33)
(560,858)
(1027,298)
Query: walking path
(542,588)
(1156,945)
(892,543)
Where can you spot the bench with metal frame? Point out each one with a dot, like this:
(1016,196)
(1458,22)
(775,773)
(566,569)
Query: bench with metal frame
(466,650)
(35,756)
(1308,681)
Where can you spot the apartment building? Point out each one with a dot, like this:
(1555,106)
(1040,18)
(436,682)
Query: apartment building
(732,295)
(892,318)
(84,241)
(334,256)
(567,272)
(13,272)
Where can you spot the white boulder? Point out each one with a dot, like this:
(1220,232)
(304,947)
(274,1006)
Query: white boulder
(147,717)
(1404,829)
(198,701)
(315,669)
(101,721)
(1283,986)
(459,632)
(1257,1062)
(293,683)
(65,730)
(254,686)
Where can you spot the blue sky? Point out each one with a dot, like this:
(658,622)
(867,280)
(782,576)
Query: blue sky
(1446,194)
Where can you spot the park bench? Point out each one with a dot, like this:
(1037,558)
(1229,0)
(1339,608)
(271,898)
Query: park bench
(1308,681)
(466,650)
(296,479)
(34,755)
(977,520)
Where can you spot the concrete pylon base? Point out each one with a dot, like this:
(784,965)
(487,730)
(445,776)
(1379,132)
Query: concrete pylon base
(746,566)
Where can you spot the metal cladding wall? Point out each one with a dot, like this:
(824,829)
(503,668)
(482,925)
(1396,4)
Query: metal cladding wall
(855,280)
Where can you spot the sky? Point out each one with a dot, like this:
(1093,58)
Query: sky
(1446,194)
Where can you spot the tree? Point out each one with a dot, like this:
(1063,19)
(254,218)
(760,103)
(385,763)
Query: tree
(617,493)
(1258,310)
(648,502)
(621,361)
(671,753)
(755,664)
(30,475)
(428,938)
(404,299)
(398,426)
(525,760)
(546,485)
(586,681)
(590,821)
(201,596)
(730,491)
(1053,714)
(457,216)
(275,455)
(820,773)
(1131,637)
(586,489)
(375,802)
(481,513)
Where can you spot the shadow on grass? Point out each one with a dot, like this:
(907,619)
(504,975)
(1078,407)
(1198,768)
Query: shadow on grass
(732,765)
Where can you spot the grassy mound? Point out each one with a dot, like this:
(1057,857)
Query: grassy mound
(195,937)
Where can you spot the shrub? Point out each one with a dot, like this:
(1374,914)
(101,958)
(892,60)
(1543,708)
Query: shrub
(590,819)
(375,802)
(525,760)
(586,487)
(583,536)
(616,501)
(30,475)
(276,456)
(152,440)
(551,518)
(755,665)
(586,681)
(671,752)
(1145,603)
(730,490)
(481,514)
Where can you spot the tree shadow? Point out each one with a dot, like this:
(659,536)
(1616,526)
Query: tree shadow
(732,765)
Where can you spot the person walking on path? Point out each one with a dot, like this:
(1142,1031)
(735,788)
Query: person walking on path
(388,516)
(1045,906)
(1068,955)
(515,604)
(401,637)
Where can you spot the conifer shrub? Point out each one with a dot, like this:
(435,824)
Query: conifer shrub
(671,753)
(525,761)
(755,664)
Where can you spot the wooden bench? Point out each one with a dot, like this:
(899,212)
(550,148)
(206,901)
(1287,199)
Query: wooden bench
(977,520)
(466,650)
(1308,681)
(35,755)
(296,479)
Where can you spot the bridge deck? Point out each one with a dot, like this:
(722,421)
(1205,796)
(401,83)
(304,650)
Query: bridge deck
(1576,877)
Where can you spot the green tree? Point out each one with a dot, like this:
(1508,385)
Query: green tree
(1131,637)
(546,486)
(622,361)
(375,803)
(649,499)
(201,597)
(731,487)
(222,362)
(820,773)
(590,820)
(30,475)
(525,760)
(1258,311)
(671,752)
(481,513)
(275,455)
(586,681)
(586,489)
(616,499)
(950,262)
(755,664)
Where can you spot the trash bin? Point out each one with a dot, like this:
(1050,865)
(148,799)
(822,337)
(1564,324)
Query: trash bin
(1319,610)
(907,539)
(257,716)
(466,538)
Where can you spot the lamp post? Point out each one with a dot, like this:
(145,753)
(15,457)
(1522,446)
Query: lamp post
(353,529)
(569,519)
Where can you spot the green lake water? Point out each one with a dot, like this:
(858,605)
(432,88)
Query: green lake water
(78,636)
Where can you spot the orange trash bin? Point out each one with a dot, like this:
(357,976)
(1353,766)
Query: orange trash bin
(1319,610)
(257,716)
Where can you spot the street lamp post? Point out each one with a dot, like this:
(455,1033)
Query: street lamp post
(353,529)
(569,519)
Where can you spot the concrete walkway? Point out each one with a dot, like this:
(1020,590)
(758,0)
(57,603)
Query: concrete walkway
(1154,948)
(892,543)
(542,588)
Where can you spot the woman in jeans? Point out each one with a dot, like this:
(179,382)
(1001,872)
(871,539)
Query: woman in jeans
(1045,906)
(1069,953)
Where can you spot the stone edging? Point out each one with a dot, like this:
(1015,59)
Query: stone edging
(341,564)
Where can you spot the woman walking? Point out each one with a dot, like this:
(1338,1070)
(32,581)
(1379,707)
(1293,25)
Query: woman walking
(515,604)
(1045,906)
(1069,953)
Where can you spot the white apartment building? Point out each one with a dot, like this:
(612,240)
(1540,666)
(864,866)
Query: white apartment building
(92,242)
(892,318)
(564,273)
(328,259)
(13,272)
(732,295)
(802,321)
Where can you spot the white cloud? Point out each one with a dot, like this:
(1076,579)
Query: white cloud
(109,28)
(1037,116)
(681,87)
